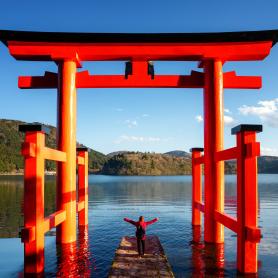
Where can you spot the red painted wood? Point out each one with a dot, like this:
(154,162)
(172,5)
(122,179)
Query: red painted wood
(83,188)
(55,155)
(200,206)
(253,234)
(233,81)
(66,139)
(227,154)
(228,221)
(139,80)
(34,204)
(35,225)
(196,187)
(199,160)
(227,51)
(28,234)
(80,206)
(54,219)
(247,203)
(213,143)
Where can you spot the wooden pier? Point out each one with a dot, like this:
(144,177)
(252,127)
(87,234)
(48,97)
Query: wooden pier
(127,263)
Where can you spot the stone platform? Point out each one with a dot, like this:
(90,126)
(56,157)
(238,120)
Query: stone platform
(128,264)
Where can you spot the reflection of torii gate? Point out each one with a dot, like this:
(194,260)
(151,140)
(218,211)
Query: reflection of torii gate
(69,50)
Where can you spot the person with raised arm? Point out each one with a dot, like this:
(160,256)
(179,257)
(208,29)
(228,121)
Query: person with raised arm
(141,227)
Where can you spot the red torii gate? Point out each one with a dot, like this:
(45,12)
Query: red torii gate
(69,50)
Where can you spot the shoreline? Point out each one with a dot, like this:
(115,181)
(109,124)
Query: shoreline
(101,174)
(47,173)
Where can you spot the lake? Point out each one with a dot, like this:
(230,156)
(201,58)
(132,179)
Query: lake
(113,198)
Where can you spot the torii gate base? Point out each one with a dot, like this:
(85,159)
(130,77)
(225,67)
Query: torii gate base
(35,224)
(246,224)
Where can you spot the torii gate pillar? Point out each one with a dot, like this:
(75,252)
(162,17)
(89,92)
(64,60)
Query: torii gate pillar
(213,142)
(66,138)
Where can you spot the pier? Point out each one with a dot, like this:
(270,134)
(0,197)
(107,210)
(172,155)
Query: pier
(128,264)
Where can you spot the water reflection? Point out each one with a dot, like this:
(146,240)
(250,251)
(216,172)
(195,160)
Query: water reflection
(134,190)
(11,206)
(11,203)
(169,198)
(207,259)
(74,259)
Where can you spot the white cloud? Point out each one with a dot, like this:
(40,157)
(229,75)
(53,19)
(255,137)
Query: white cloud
(266,110)
(131,123)
(228,120)
(145,115)
(269,151)
(227,111)
(126,138)
(199,118)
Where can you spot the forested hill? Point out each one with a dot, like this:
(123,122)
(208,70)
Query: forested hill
(179,154)
(116,163)
(11,160)
(150,164)
(136,163)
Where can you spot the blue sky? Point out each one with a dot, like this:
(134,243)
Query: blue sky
(143,119)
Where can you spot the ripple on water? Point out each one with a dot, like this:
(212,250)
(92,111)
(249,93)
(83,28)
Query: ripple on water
(169,198)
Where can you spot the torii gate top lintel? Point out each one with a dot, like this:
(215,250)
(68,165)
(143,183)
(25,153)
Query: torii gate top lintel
(233,46)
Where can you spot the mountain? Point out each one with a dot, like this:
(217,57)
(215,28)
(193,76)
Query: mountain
(116,163)
(10,141)
(10,146)
(170,163)
(109,155)
(96,160)
(11,160)
(178,153)
(150,164)
(268,164)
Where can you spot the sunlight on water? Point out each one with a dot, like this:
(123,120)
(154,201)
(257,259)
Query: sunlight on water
(113,198)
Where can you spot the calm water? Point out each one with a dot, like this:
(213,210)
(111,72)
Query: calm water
(113,198)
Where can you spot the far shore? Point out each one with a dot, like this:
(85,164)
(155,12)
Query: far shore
(53,173)
(21,173)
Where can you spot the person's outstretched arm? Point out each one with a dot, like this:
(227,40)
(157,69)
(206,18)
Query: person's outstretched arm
(130,221)
(152,221)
